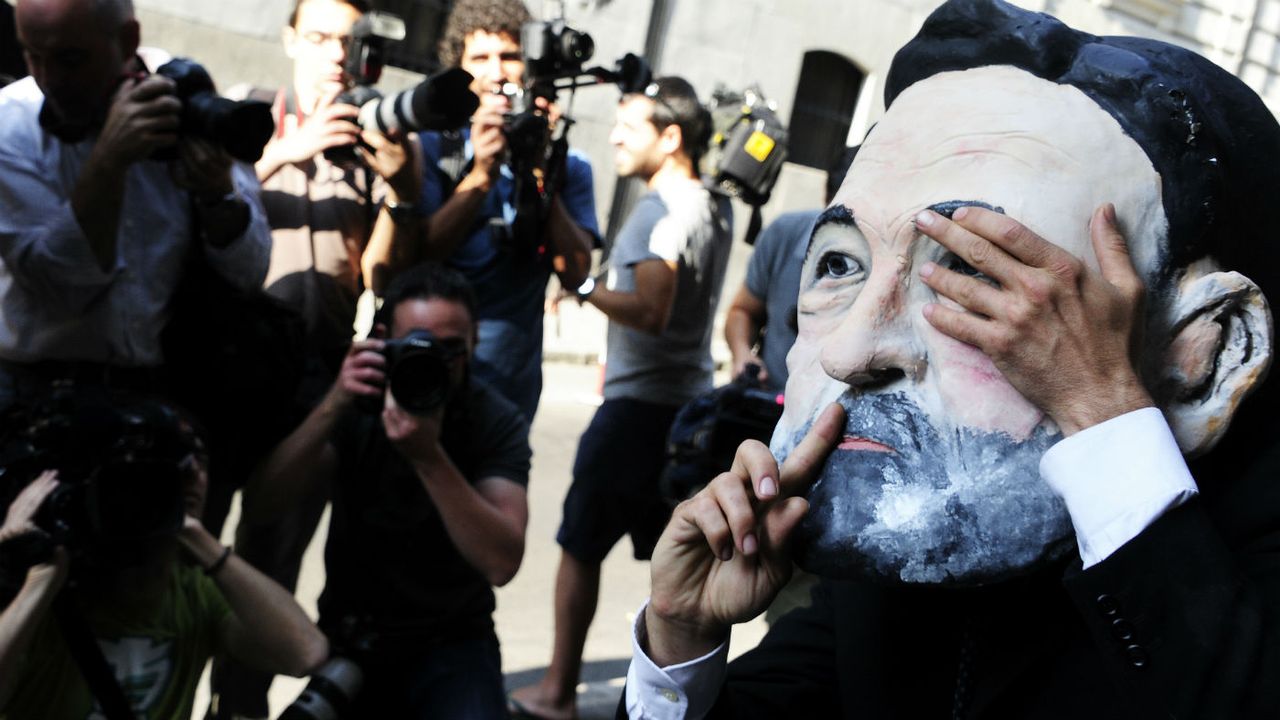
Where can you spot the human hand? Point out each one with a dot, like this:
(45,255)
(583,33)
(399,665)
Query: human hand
(202,168)
(363,372)
(391,156)
(488,141)
(552,111)
(331,125)
(20,517)
(741,363)
(1064,335)
(144,117)
(416,437)
(20,520)
(722,558)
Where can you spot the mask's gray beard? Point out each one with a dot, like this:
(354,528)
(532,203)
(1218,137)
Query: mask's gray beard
(954,507)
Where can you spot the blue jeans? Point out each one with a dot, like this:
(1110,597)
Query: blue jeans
(458,680)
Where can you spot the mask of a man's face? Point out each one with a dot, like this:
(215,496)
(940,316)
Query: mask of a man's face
(936,479)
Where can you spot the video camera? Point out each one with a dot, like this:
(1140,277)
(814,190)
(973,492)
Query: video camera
(418,371)
(441,102)
(749,147)
(555,57)
(121,463)
(242,128)
(706,433)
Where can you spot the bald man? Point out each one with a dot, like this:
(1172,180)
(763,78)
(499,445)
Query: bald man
(94,233)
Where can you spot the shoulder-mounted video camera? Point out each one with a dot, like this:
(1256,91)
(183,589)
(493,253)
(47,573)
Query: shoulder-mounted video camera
(555,57)
(441,102)
(706,433)
(749,147)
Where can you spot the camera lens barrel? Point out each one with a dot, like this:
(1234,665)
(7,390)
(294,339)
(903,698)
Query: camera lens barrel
(329,693)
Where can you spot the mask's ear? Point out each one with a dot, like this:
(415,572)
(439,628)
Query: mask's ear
(1220,351)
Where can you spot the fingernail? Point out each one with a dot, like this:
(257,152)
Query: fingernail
(749,544)
(927,269)
(924,218)
(1110,213)
(928,310)
(726,554)
(960,213)
(768,488)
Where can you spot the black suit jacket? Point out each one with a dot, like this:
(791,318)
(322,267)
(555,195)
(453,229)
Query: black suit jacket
(1182,622)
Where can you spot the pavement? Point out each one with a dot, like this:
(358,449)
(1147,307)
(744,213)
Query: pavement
(524,614)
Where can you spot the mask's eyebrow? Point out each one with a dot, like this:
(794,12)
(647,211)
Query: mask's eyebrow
(837,215)
(949,207)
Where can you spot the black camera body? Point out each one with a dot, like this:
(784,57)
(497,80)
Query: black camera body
(417,371)
(242,127)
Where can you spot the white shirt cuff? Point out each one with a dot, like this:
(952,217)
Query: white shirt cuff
(1116,479)
(677,692)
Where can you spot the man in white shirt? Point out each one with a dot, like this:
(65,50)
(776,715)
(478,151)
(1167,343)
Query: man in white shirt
(1000,396)
(94,233)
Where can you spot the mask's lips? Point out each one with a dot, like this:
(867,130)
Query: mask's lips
(857,443)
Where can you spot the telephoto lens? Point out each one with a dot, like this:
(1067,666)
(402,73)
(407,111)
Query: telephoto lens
(329,693)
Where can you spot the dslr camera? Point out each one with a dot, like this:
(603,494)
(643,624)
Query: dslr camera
(121,463)
(418,371)
(242,128)
(441,102)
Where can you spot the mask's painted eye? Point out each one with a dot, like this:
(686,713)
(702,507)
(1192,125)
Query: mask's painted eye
(955,264)
(837,265)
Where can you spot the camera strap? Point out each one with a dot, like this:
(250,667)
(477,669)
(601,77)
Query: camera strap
(453,163)
(88,656)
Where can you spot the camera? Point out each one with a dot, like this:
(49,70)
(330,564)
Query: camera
(554,56)
(329,692)
(706,433)
(418,371)
(441,102)
(242,128)
(121,463)
(553,49)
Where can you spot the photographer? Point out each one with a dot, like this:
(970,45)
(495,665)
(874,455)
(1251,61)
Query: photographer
(429,509)
(470,192)
(333,224)
(155,618)
(94,232)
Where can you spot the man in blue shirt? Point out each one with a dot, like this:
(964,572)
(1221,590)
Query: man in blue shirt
(472,209)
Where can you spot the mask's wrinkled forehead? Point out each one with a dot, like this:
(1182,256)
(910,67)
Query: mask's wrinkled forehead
(1209,136)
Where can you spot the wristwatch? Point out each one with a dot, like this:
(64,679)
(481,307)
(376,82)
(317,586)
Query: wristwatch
(584,290)
(402,213)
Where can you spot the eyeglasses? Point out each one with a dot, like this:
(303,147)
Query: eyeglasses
(320,39)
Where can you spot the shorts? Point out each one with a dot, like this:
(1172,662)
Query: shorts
(615,481)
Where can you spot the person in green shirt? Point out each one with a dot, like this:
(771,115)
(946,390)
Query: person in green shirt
(157,619)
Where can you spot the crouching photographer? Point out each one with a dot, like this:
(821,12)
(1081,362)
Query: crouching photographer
(121,594)
(429,504)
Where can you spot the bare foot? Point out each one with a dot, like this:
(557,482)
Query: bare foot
(532,702)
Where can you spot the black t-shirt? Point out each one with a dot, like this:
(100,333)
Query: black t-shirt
(389,561)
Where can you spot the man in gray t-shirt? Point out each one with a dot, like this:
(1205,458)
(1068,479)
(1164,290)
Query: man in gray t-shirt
(667,269)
